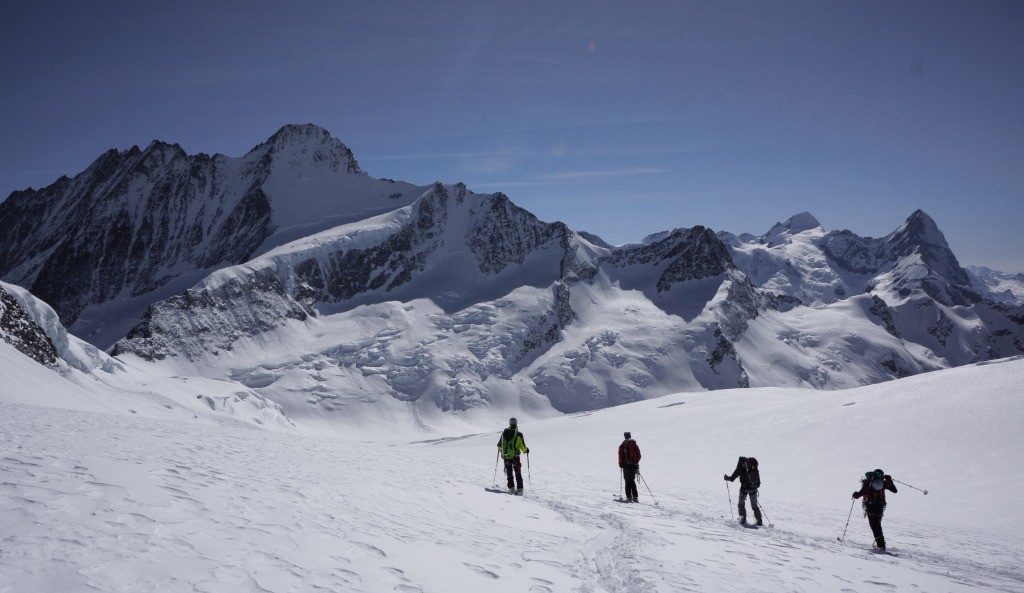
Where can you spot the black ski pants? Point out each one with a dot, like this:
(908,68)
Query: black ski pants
(514,467)
(629,474)
(741,506)
(875,522)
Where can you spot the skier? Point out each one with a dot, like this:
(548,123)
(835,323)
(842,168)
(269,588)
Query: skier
(629,461)
(510,444)
(750,481)
(872,491)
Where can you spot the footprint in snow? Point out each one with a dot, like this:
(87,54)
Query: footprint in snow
(481,570)
(368,550)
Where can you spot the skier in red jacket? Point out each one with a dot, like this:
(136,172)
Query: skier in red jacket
(629,461)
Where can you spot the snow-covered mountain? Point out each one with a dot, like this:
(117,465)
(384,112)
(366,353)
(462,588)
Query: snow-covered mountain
(435,299)
(462,300)
(140,225)
(996,286)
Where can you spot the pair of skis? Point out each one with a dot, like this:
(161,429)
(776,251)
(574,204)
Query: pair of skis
(499,490)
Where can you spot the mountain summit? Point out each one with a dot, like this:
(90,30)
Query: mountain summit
(794,225)
(140,225)
(294,276)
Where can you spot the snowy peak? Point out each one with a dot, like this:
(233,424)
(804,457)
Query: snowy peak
(141,224)
(294,141)
(918,243)
(920,234)
(796,224)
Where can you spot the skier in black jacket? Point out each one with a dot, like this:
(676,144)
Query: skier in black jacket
(750,481)
(872,490)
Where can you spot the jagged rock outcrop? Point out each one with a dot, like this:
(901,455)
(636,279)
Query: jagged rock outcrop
(18,329)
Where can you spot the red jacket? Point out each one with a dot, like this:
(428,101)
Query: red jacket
(629,453)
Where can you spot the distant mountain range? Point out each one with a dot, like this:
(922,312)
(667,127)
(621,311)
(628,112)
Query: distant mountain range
(293,273)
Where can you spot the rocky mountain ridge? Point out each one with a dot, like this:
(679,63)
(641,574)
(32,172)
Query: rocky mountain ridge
(440,299)
(140,225)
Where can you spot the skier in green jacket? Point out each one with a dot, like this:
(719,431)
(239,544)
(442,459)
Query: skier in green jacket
(510,445)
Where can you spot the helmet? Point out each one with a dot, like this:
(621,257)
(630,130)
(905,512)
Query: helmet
(878,474)
(513,422)
(627,435)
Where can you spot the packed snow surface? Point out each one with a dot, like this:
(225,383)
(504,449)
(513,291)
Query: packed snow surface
(156,489)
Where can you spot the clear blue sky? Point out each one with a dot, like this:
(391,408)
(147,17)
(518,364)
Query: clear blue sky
(619,118)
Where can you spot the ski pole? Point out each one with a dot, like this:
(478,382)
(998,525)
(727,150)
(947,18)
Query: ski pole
(529,478)
(648,487)
(621,478)
(495,478)
(853,502)
(770,524)
(914,487)
(729,494)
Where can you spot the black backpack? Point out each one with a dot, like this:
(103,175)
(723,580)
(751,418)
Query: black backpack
(753,476)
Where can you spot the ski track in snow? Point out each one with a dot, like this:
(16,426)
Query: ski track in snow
(98,502)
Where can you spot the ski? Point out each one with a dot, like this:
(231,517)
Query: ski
(499,490)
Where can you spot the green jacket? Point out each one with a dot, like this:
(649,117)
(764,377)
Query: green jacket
(511,443)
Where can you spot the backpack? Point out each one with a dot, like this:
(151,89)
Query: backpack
(872,497)
(508,443)
(753,476)
(630,452)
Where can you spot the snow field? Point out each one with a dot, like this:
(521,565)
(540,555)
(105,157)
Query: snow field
(136,502)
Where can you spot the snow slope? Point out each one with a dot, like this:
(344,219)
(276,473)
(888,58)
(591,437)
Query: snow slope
(997,286)
(141,492)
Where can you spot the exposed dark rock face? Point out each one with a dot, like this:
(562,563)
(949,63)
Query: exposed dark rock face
(545,331)
(690,254)
(203,322)
(724,350)
(504,234)
(884,314)
(346,273)
(18,329)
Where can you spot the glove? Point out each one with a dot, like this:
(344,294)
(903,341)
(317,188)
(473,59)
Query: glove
(621,466)
(527,451)
(856,494)
(726,477)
